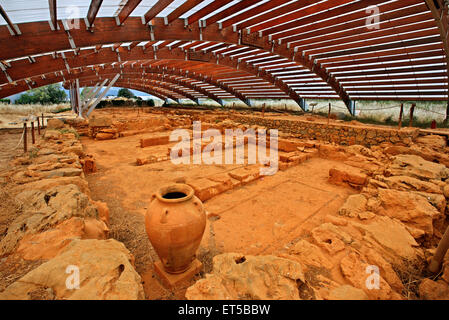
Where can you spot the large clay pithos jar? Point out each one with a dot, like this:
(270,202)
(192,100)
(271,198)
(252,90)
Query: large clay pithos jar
(175,223)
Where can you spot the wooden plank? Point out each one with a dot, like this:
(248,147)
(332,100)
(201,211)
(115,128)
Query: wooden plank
(253,12)
(93,11)
(230,11)
(156,9)
(127,9)
(53,13)
(8,21)
(329,23)
(179,11)
(213,6)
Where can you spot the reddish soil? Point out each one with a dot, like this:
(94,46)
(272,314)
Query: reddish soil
(250,219)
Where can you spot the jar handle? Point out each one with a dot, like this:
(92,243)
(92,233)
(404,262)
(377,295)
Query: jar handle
(164,217)
(198,204)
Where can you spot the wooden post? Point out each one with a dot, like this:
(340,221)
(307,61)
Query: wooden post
(25,146)
(43,125)
(38,126)
(33,138)
(437,259)
(400,116)
(433,125)
(263,110)
(447,114)
(412,109)
(329,113)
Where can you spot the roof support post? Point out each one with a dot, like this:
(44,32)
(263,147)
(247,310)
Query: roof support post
(72,100)
(350,104)
(94,94)
(303,104)
(97,101)
(78,98)
(89,94)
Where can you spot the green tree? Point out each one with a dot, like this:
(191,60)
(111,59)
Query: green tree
(51,94)
(126,93)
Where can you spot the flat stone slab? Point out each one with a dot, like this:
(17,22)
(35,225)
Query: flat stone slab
(206,189)
(64,172)
(154,141)
(172,280)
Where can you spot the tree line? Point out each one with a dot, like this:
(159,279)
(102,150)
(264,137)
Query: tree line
(55,94)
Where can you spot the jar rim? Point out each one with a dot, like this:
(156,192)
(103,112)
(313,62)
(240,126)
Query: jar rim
(176,187)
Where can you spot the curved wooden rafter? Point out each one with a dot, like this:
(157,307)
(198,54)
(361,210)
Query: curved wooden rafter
(133,31)
(327,40)
(440,12)
(157,91)
(48,63)
(55,77)
(129,73)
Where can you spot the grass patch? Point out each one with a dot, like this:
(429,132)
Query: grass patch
(31,109)
(32,154)
(69,130)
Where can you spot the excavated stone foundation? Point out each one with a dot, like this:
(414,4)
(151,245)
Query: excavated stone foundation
(353,211)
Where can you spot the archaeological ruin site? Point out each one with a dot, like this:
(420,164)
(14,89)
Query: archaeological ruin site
(251,169)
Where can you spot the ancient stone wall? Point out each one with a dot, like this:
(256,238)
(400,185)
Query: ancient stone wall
(343,134)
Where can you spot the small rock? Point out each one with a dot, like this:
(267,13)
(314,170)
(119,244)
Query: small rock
(55,124)
(347,292)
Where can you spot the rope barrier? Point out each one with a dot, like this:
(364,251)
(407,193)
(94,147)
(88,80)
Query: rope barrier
(379,109)
(20,141)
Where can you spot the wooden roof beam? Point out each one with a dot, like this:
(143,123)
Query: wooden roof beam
(179,11)
(53,13)
(156,9)
(93,11)
(211,7)
(251,13)
(332,23)
(13,29)
(127,9)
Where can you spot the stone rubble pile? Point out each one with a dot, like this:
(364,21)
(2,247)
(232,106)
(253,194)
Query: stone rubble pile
(394,223)
(59,226)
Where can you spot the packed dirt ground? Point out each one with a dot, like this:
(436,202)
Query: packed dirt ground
(348,198)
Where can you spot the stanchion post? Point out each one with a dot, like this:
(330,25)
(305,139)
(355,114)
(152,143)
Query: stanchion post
(25,146)
(38,126)
(33,138)
(400,116)
(412,109)
(329,113)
